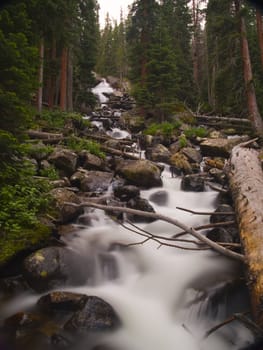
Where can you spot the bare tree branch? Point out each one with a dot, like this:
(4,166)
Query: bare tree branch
(205,212)
(172,221)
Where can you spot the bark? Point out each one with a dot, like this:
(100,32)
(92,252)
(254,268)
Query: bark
(52,76)
(63,79)
(195,43)
(116,152)
(70,83)
(40,76)
(260,33)
(246,185)
(248,76)
(33,134)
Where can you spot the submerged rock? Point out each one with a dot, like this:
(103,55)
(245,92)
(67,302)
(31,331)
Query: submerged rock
(193,182)
(62,301)
(159,197)
(143,205)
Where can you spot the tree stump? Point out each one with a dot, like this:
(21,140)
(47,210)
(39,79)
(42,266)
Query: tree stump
(246,185)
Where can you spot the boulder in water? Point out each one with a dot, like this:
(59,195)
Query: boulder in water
(193,182)
(159,197)
(159,153)
(142,173)
(140,204)
(52,267)
(96,316)
(125,193)
(62,301)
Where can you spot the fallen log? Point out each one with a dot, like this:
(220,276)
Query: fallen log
(246,184)
(42,135)
(117,152)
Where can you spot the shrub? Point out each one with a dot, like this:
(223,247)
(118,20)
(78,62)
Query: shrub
(196,132)
(78,144)
(166,128)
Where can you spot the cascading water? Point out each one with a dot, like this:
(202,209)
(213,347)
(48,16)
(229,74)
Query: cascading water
(101,89)
(162,294)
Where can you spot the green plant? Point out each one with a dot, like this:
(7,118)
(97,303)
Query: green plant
(50,172)
(182,141)
(78,144)
(196,132)
(165,128)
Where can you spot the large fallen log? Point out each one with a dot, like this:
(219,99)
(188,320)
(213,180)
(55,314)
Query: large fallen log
(246,185)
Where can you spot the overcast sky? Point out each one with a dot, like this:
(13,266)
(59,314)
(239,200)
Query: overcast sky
(113,7)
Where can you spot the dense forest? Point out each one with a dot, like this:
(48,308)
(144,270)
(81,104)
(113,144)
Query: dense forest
(202,56)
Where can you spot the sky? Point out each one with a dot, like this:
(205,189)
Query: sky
(113,7)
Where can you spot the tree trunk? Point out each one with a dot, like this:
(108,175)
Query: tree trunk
(248,76)
(52,76)
(40,75)
(246,184)
(194,44)
(63,79)
(260,34)
(70,83)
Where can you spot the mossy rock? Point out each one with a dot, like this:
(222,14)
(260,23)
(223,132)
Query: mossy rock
(180,162)
(27,239)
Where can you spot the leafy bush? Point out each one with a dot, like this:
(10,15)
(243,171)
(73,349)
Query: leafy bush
(57,119)
(78,144)
(182,141)
(51,173)
(166,128)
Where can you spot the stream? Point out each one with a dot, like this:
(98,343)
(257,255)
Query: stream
(167,298)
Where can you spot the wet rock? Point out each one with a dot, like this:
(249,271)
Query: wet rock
(61,212)
(180,164)
(90,161)
(53,267)
(142,173)
(223,208)
(159,197)
(143,205)
(125,193)
(62,301)
(158,153)
(192,154)
(193,183)
(64,160)
(96,316)
(13,285)
(222,235)
(218,176)
(92,181)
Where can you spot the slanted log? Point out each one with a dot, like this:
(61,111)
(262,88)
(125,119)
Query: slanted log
(42,135)
(246,185)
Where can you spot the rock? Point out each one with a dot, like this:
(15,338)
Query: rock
(96,316)
(89,161)
(180,164)
(222,235)
(142,173)
(159,197)
(96,181)
(66,301)
(125,193)
(220,147)
(61,212)
(193,183)
(53,267)
(140,204)
(13,285)
(158,153)
(64,160)
(223,208)
(192,154)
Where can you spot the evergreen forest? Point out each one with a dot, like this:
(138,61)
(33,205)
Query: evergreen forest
(203,56)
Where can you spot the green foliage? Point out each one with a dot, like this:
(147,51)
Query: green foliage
(78,144)
(196,132)
(50,172)
(166,129)
(57,119)
(182,141)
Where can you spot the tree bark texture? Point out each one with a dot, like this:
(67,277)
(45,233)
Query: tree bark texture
(246,185)
(260,33)
(63,79)
(248,76)
(40,76)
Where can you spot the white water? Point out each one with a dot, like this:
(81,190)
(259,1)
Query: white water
(155,286)
(102,87)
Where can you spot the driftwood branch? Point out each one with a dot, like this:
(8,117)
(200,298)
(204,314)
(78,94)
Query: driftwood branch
(172,221)
(205,212)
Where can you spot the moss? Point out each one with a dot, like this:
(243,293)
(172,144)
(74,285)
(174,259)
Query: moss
(29,238)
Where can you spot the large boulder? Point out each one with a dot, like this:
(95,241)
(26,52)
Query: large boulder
(66,301)
(96,316)
(92,181)
(62,212)
(160,197)
(158,153)
(64,160)
(53,267)
(193,155)
(142,173)
(125,193)
(180,164)
(90,161)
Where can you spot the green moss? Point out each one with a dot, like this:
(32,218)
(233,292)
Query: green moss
(12,244)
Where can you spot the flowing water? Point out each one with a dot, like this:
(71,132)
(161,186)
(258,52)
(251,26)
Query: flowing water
(167,298)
